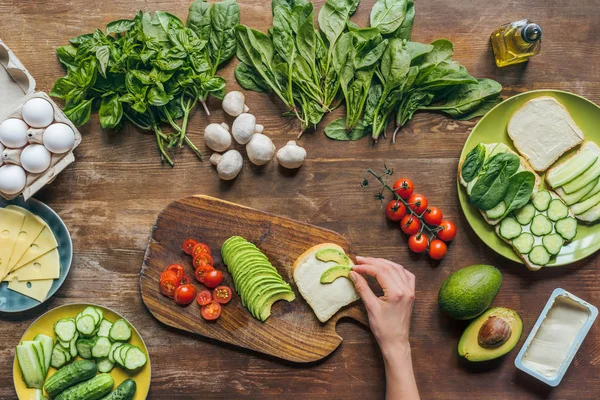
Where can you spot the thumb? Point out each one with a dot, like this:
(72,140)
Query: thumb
(363,289)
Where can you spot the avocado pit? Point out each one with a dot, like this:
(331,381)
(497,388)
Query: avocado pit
(494,333)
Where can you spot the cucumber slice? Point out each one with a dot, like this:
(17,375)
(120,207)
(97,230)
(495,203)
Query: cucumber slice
(592,192)
(30,365)
(39,351)
(572,168)
(591,215)
(583,206)
(105,365)
(117,353)
(65,329)
(557,210)
(590,175)
(510,228)
(120,331)
(541,225)
(91,311)
(111,353)
(122,354)
(101,348)
(100,314)
(104,328)
(553,243)
(541,200)
(134,359)
(86,324)
(496,212)
(523,243)
(539,255)
(47,344)
(579,194)
(72,345)
(567,228)
(59,357)
(84,347)
(525,214)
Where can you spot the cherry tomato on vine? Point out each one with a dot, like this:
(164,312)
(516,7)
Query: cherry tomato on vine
(202,259)
(188,246)
(201,272)
(418,203)
(404,188)
(418,243)
(433,216)
(213,279)
(200,248)
(395,210)
(222,294)
(410,224)
(211,311)
(447,231)
(204,297)
(437,249)
(185,294)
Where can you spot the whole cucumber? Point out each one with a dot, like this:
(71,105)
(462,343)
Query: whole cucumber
(124,391)
(94,389)
(70,375)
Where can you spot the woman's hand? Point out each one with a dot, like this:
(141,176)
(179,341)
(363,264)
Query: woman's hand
(389,318)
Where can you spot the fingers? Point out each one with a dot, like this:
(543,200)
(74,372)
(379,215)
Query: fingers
(411,280)
(386,280)
(363,289)
(391,276)
(395,270)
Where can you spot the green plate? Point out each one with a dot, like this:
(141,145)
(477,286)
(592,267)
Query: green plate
(492,129)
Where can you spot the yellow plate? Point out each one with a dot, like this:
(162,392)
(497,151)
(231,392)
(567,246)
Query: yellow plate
(45,325)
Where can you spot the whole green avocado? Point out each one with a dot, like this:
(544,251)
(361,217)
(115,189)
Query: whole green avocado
(469,291)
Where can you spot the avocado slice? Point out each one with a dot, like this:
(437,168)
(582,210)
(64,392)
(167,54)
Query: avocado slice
(265,301)
(337,271)
(261,278)
(261,292)
(492,335)
(331,254)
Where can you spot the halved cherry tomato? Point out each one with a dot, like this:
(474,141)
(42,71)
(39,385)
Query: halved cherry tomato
(447,231)
(418,203)
(211,311)
(437,249)
(418,243)
(222,294)
(185,294)
(213,279)
(410,224)
(202,259)
(204,297)
(168,284)
(403,187)
(170,274)
(200,248)
(188,246)
(201,272)
(186,279)
(433,216)
(395,210)
(177,269)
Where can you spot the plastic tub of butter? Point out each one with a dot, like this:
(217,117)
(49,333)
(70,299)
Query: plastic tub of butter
(556,337)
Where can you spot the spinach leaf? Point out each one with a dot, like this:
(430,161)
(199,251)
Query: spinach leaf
(467,97)
(482,109)
(404,31)
(491,187)
(337,130)
(473,162)
(520,190)
(225,16)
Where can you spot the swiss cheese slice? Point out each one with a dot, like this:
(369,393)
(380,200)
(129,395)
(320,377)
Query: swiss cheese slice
(40,246)
(31,229)
(10,226)
(46,266)
(37,290)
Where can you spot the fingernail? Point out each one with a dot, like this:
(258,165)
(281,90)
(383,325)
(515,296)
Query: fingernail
(352,276)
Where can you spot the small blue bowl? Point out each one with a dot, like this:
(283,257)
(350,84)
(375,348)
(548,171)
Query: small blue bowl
(12,302)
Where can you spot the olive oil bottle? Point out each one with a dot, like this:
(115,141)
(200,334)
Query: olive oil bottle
(516,42)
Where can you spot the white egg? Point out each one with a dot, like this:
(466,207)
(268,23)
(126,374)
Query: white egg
(35,158)
(13,133)
(59,138)
(1,150)
(38,113)
(12,179)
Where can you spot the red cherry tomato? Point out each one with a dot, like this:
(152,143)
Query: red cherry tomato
(418,203)
(418,243)
(404,188)
(170,274)
(177,269)
(200,248)
(211,311)
(222,294)
(213,279)
(433,216)
(410,224)
(437,249)
(185,294)
(204,297)
(168,284)
(447,231)
(185,280)
(201,272)
(202,259)
(188,246)
(395,210)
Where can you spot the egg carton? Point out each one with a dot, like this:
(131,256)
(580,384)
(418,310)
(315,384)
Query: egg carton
(17,86)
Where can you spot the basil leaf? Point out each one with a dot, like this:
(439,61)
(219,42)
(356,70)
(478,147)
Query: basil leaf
(110,112)
(473,162)
(66,55)
(62,87)
(520,190)
(119,26)
(81,113)
(491,187)
(103,56)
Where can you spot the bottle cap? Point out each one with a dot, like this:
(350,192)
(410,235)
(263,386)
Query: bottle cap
(531,33)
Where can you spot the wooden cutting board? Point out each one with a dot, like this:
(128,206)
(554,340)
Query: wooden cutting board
(292,332)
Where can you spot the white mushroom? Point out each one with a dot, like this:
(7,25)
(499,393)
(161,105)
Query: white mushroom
(260,149)
(228,164)
(217,137)
(244,126)
(291,155)
(234,103)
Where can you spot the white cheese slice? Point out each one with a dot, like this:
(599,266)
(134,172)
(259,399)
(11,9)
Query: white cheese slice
(31,229)
(37,290)
(46,266)
(10,226)
(43,244)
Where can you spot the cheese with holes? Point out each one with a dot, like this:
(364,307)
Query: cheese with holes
(10,226)
(43,267)
(31,229)
(37,290)
(43,244)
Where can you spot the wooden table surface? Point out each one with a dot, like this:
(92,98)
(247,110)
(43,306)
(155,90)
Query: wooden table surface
(111,195)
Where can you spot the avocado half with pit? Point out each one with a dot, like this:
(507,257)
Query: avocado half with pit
(491,335)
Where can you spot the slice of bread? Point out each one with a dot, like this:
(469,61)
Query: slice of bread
(325,299)
(542,130)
